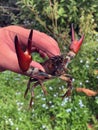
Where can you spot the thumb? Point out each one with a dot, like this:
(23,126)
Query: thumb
(37,65)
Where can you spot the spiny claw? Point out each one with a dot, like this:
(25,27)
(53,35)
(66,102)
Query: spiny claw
(24,58)
(76,44)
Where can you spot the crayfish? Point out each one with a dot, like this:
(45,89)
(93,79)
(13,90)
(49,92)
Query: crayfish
(54,67)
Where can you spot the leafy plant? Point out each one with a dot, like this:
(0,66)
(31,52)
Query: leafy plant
(51,112)
(77,112)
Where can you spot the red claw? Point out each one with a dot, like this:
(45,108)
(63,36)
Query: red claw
(24,58)
(76,44)
(30,42)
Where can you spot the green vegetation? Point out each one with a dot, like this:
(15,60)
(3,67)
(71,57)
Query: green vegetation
(51,112)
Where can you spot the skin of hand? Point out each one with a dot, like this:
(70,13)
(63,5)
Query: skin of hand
(41,43)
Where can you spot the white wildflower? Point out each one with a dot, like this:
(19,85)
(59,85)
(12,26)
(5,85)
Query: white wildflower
(81,61)
(68,110)
(81,103)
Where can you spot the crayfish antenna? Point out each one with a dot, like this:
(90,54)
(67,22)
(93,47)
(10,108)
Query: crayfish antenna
(24,58)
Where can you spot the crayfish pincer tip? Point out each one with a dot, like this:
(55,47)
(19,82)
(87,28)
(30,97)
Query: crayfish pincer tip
(73,33)
(15,39)
(76,44)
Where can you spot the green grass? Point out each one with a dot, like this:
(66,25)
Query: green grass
(47,113)
(51,112)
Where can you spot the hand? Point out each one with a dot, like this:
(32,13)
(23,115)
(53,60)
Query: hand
(41,43)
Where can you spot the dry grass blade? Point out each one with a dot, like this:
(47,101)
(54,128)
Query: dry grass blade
(88,92)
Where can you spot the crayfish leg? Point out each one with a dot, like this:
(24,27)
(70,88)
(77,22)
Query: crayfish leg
(32,93)
(32,99)
(44,90)
(67,94)
(38,82)
(68,79)
(43,87)
(28,88)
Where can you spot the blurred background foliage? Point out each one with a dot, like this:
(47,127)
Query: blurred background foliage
(53,17)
